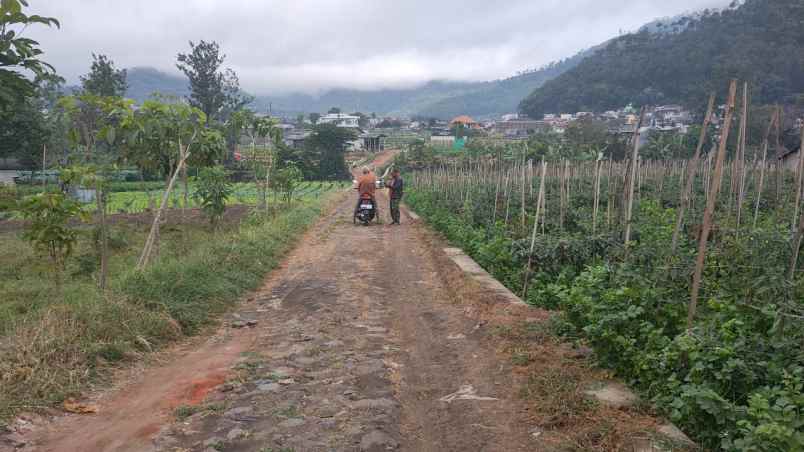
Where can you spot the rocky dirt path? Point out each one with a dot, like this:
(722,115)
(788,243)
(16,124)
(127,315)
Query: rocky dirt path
(360,347)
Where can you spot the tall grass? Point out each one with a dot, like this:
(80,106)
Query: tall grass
(52,344)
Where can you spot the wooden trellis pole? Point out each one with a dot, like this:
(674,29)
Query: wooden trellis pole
(598,165)
(710,207)
(632,180)
(539,204)
(740,160)
(799,172)
(692,167)
(761,182)
(524,181)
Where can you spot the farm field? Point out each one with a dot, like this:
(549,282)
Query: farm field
(130,198)
(728,369)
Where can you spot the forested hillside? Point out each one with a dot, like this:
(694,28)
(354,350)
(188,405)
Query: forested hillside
(144,81)
(761,41)
(500,96)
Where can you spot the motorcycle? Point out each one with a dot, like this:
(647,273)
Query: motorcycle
(366,211)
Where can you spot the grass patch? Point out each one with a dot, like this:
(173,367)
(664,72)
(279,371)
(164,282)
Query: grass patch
(54,343)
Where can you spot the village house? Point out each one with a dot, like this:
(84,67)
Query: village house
(465,121)
(340,120)
(519,127)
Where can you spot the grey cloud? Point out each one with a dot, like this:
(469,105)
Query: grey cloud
(311,45)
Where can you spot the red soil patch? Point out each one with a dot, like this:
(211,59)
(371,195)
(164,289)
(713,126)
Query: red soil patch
(200,388)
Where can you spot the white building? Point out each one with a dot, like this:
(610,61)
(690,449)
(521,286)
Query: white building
(340,120)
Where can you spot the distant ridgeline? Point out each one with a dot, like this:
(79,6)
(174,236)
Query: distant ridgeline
(439,99)
(760,41)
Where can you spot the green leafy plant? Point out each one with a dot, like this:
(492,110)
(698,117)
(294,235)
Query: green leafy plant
(212,191)
(18,52)
(49,231)
(285,181)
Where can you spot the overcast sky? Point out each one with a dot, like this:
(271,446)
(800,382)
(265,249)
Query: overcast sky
(309,45)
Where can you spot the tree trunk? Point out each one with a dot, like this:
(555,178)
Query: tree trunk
(152,236)
(104,240)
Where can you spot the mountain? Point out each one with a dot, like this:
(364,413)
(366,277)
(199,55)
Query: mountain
(439,99)
(436,99)
(759,41)
(144,81)
(500,96)
(395,102)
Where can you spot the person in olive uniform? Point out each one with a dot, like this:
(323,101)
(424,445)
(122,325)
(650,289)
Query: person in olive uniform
(395,191)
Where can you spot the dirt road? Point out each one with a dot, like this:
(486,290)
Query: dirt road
(366,339)
(359,346)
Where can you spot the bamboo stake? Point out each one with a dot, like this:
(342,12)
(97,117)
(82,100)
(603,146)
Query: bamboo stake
(799,172)
(598,164)
(710,207)
(761,182)
(741,158)
(610,202)
(508,186)
(693,166)
(524,179)
(535,229)
(632,181)
(800,230)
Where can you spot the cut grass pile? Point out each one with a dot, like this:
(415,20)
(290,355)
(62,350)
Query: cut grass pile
(53,343)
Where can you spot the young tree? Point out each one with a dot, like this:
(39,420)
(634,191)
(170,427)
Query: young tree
(314,117)
(260,160)
(202,66)
(163,137)
(327,146)
(214,91)
(18,53)
(104,79)
(93,124)
(212,191)
(95,177)
(48,231)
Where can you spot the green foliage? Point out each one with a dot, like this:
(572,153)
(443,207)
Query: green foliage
(56,342)
(153,134)
(212,190)
(324,152)
(104,79)
(194,287)
(214,91)
(94,124)
(19,53)
(49,232)
(23,132)
(285,181)
(759,41)
(734,382)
